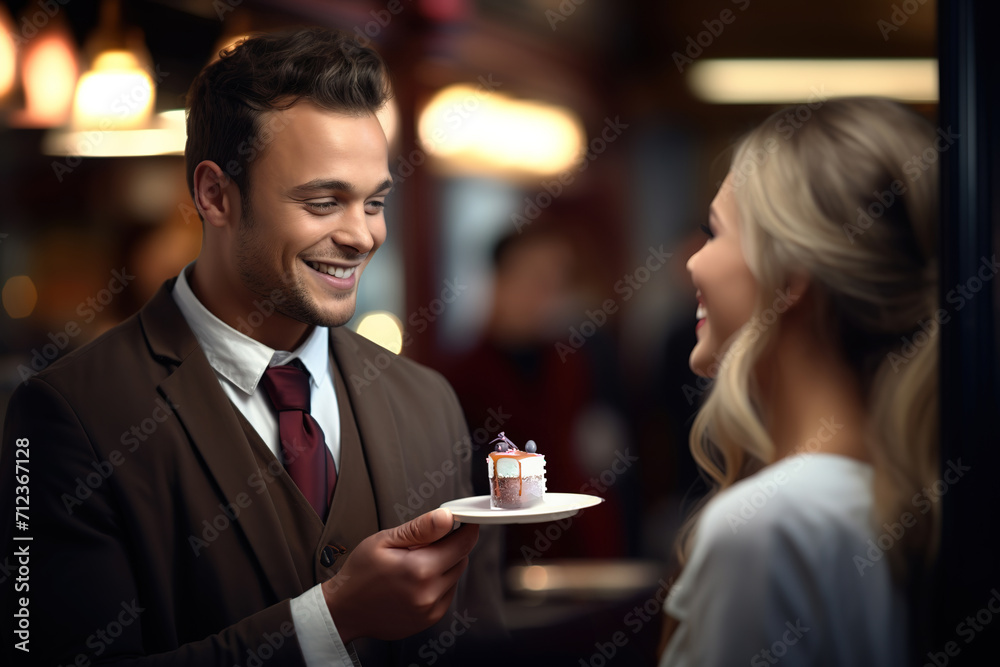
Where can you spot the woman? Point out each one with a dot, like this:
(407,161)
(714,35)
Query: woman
(817,320)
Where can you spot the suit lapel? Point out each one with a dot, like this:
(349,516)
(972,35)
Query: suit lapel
(211,424)
(380,439)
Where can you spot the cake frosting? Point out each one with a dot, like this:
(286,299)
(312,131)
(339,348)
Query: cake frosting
(517,478)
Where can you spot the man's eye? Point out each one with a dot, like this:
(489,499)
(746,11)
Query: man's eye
(321,206)
(707,230)
(377,206)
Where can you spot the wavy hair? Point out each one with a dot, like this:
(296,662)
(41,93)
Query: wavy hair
(228,99)
(849,197)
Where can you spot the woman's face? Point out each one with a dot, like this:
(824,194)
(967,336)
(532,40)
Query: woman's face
(726,289)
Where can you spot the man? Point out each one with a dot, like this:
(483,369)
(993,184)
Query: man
(207,485)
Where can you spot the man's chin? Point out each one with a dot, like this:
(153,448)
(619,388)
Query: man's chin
(334,318)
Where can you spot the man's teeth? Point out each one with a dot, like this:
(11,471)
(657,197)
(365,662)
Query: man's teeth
(336,271)
(701,313)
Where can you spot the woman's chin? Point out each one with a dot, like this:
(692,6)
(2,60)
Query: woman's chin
(701,362)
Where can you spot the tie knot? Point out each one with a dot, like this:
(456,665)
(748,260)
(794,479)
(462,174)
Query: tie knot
(288,387)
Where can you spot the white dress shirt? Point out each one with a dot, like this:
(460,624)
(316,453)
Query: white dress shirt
(239,363)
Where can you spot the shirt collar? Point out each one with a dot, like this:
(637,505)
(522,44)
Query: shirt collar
(239,358)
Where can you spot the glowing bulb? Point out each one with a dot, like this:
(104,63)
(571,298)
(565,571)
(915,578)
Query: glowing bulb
(778,81)
(382,328)
(474,129)
(7,53)
(115,94)
(19,296)
(49,73)
(535,578)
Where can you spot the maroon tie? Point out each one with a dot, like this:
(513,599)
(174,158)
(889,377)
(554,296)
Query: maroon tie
(303,446)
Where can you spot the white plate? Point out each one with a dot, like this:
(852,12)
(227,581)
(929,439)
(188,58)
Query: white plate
(476,509)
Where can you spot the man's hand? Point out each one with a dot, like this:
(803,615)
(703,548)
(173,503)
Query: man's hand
(401,580)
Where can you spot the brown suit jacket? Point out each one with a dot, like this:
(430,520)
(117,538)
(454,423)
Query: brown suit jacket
(163,533)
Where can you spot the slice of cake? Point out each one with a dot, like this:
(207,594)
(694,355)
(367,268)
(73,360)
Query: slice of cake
(517,479)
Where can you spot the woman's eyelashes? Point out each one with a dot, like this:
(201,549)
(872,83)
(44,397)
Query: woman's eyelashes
(708,231)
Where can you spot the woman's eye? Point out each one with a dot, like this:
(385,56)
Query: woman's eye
(707,230)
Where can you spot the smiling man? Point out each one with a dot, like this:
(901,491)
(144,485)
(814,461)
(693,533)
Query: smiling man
(255,523)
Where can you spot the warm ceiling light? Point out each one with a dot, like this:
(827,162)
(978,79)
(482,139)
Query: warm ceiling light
(765,81)
(473,128)
(165,134)
(8,54)
(49,72)
(19,296)
(382,328)
(116,94)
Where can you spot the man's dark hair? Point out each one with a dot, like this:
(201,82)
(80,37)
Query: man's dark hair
(273,72)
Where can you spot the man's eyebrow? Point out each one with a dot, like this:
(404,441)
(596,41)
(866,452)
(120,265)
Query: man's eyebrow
(321,185)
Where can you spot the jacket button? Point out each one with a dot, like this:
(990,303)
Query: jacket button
(327,557)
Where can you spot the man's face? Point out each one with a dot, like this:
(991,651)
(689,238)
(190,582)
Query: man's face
(317,193)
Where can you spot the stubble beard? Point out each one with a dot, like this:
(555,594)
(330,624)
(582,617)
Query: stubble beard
(253,265)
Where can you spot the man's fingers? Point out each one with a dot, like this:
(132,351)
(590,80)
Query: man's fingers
(443,555)
(425,529)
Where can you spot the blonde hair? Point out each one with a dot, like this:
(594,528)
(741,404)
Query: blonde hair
(849,196)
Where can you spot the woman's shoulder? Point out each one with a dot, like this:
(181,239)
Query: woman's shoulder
(816,501)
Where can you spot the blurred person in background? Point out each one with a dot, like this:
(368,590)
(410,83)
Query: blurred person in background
(204,487)
(818,321)
(559,391)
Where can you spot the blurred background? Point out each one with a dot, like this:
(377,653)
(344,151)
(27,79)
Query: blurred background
(553,160)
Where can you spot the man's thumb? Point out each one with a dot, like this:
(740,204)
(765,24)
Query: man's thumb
(423,530)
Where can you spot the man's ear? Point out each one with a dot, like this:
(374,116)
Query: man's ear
(216,195)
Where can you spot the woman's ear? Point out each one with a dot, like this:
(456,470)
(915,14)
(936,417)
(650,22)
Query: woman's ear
(797,286)
(215,195)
